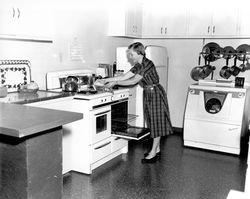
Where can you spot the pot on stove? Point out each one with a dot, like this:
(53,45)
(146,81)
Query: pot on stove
(71,87)
(70,84)
(88,79)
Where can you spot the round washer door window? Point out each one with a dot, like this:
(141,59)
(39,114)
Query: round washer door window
(213,106)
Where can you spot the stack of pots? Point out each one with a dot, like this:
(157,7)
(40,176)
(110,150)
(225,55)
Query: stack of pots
(72,83)
(212,52)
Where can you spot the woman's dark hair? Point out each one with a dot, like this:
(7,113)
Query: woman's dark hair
(138,48)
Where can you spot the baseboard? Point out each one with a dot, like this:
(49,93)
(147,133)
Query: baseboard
(178,130)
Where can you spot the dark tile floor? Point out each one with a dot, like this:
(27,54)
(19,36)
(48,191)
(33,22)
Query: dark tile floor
(182,173)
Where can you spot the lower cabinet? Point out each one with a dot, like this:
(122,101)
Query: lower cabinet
(101,149)
(108,147)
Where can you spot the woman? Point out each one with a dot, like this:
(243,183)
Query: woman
(155,105)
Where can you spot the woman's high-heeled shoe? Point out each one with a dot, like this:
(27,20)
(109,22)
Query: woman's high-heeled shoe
(151,160)
(158,154)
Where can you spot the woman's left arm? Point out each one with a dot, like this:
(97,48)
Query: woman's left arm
(128,82)
(122,77)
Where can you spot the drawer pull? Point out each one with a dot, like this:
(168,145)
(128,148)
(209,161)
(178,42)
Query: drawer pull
(103,145)
(117,138)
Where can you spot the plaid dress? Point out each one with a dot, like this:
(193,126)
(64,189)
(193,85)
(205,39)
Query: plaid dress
(155,103)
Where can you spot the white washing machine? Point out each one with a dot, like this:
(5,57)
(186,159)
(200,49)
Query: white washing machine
(216,117)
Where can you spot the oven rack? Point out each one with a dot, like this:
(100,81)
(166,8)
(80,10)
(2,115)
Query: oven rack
(130,117)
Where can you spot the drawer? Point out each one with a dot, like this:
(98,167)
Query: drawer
(101,149)
(118,143)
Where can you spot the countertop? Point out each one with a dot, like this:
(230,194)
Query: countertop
(41,95)
(20,121)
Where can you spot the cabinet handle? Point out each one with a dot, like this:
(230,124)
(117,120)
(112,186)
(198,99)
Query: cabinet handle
(166,30)
(213,29)
(13,12)
(103,145)
(208,29)
(18,13)
(161,30)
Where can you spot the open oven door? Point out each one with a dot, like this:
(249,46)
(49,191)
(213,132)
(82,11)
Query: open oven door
(131,133)
(121,128)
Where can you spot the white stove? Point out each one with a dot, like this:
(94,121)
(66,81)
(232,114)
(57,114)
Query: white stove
(88,143)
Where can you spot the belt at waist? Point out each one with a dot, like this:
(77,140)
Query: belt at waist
(151,86)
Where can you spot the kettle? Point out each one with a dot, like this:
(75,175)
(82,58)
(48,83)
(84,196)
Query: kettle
(70,84)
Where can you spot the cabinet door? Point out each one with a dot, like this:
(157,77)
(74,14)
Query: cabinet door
(125,19)
(152,21)
(174,18)
(224,21)
(133,21)
(25,20)
(160,21)
(212,21)
(199,22)
(244,25)
(34,20)
(7,18)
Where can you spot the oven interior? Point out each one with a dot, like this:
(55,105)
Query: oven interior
(119,122)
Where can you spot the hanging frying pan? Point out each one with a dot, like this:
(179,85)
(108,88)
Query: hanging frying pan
(225,70)
(242,50)
(211,52)
(243,66)
(234,70)
(197,73)
(228,52)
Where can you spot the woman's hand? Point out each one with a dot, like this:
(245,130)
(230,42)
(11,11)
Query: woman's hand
(99,82)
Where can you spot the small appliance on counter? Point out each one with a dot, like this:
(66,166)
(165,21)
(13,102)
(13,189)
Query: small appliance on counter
(104,70)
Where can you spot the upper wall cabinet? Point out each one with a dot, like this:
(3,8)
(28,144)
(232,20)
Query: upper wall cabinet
(207,22)
(164,21)
(27,19)
(180,19)
(244,25)
(125,19)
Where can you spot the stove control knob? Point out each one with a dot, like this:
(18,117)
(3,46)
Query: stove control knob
(192,91)
(241,95)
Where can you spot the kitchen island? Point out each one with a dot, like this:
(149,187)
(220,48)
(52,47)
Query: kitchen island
(31,151)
